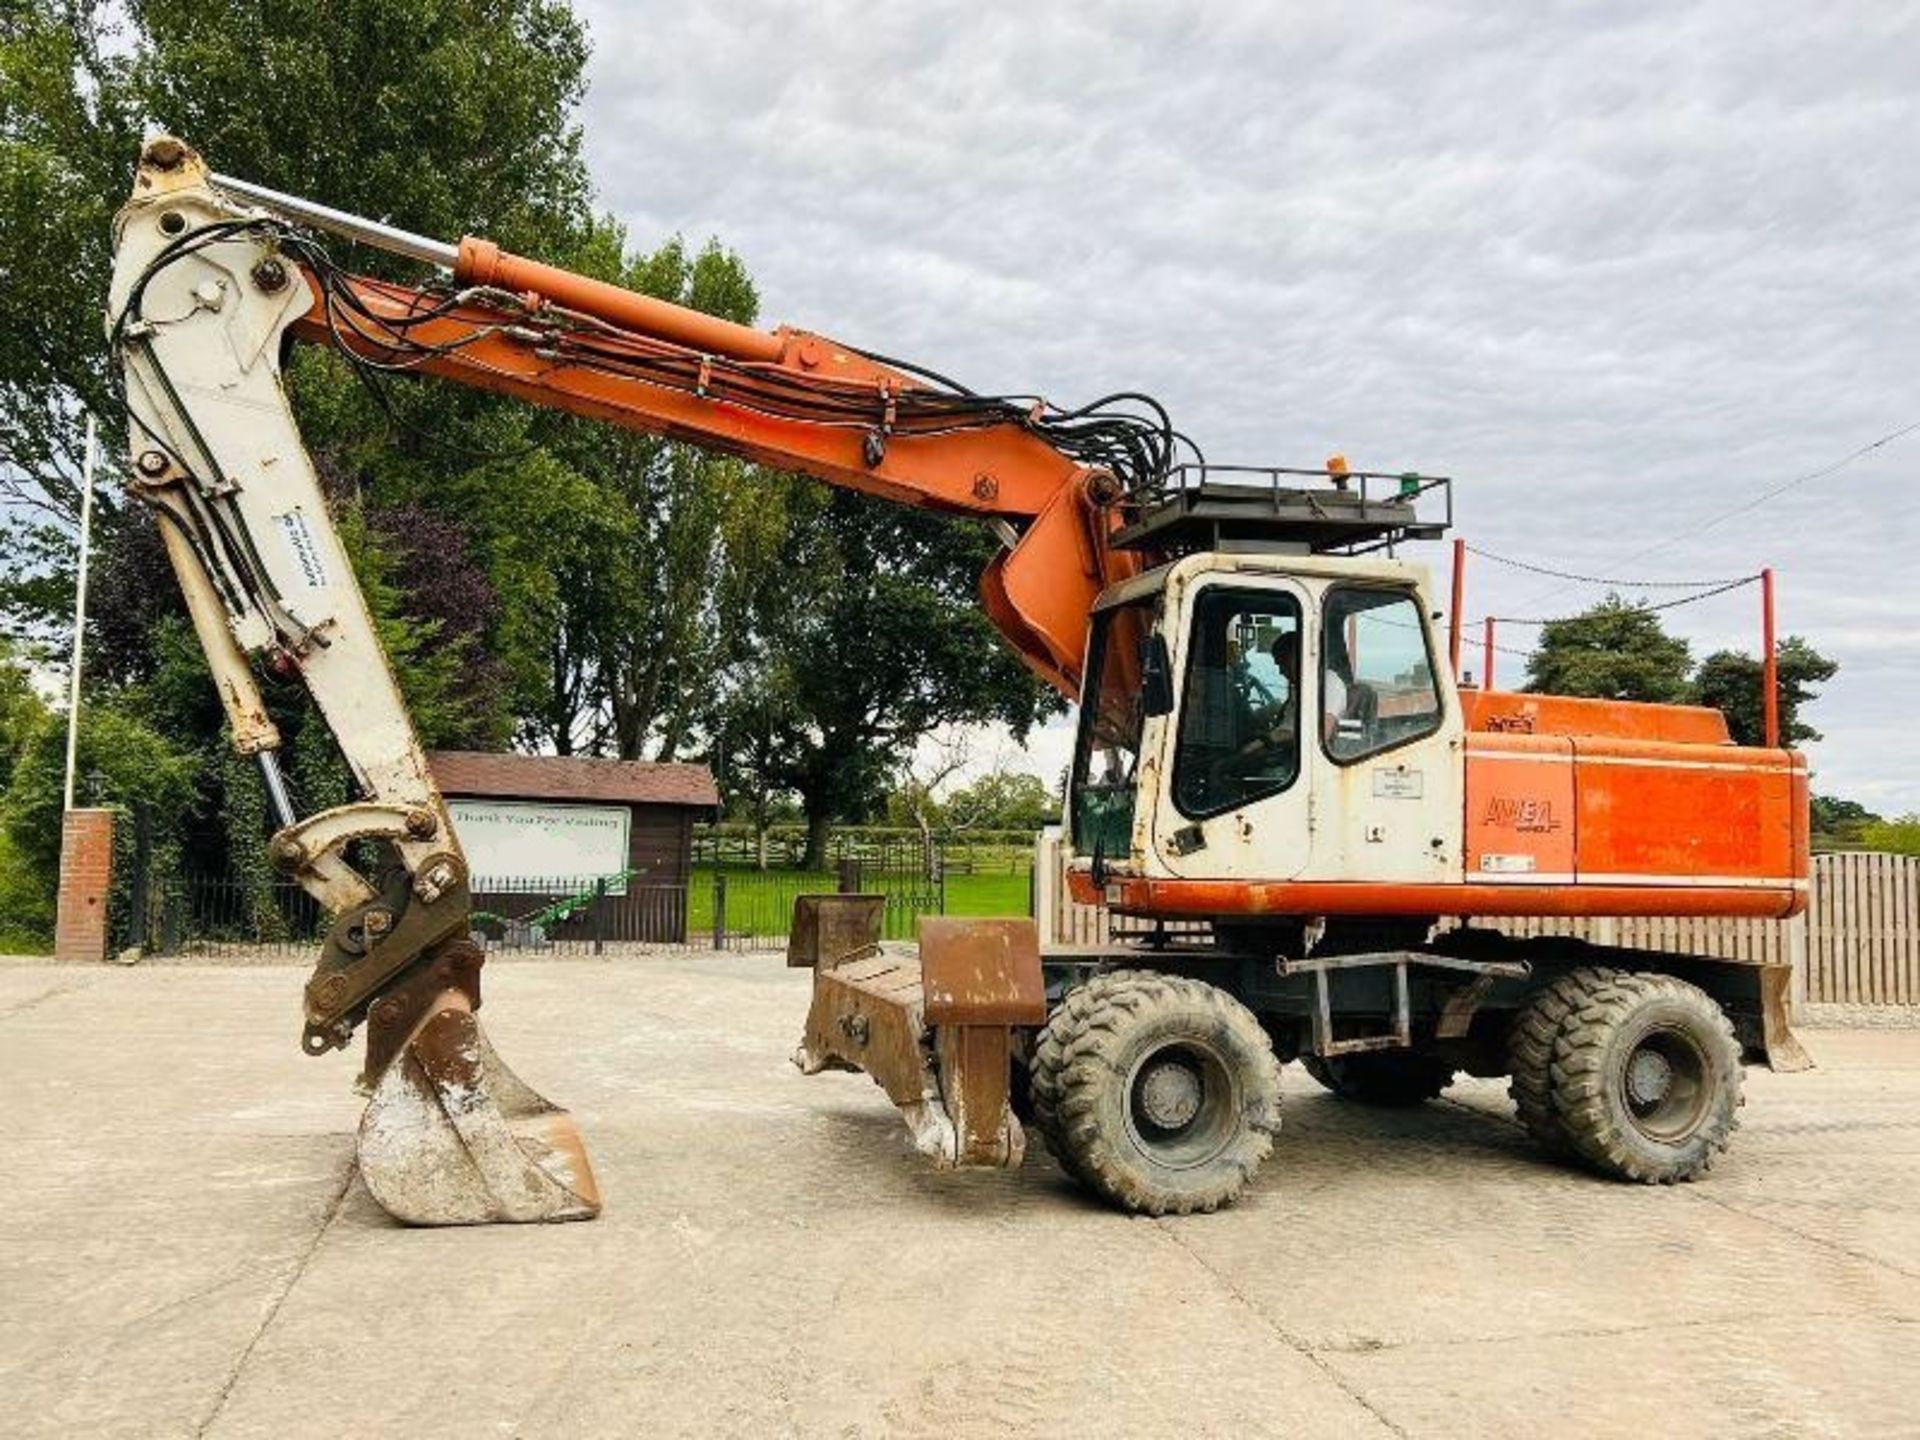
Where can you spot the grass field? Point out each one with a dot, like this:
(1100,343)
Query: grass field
(761,902)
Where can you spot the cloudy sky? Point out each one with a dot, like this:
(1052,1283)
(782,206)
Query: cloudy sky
(1619,268)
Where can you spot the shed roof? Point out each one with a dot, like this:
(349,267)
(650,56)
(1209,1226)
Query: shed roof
(572,777)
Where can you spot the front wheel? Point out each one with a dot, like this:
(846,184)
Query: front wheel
(1158,1092)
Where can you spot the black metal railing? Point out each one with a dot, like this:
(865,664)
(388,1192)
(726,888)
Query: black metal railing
(728,907)
(217,914)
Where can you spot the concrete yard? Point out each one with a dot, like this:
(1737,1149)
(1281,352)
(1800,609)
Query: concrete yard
(184,1249)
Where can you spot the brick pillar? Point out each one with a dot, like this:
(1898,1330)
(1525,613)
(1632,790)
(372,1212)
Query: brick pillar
(86,876)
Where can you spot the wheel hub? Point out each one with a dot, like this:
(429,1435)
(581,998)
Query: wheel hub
(1170,1095)
(1649,1077)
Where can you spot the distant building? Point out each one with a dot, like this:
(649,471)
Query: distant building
(541,827)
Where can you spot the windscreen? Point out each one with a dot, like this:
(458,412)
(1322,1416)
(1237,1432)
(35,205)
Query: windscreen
(1106,758)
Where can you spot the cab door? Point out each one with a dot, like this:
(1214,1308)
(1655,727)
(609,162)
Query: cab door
(1231,802)
(1386,764)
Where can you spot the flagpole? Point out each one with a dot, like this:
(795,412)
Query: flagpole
(80,609)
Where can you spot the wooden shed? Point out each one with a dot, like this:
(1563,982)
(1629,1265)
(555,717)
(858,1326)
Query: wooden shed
(538,828)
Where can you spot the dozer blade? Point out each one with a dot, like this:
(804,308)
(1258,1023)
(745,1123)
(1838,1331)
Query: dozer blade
(454,1137)
(935,1030)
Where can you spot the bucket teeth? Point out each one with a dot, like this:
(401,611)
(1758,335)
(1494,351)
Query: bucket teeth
(454,1137)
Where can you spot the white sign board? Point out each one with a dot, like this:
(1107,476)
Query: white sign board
(517,840)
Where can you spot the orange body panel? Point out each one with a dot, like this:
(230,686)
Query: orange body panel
(1515,713)
(1685,811)
(1520,807)
(1603,814)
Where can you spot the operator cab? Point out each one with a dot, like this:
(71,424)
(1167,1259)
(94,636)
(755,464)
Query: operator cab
(1262,709)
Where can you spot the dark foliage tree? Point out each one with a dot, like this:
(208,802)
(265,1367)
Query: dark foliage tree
(875,639)
(1839,824)
(1613,651)
(1731,682)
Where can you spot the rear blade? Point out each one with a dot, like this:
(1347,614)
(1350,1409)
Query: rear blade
(933,1028)
(454,1137)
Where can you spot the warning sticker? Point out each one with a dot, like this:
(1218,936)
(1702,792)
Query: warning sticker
(304,548)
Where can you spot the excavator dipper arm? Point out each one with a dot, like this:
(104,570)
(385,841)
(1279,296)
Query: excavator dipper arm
(211,278)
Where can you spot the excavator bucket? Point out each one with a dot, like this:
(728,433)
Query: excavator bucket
(933,1028)
(452,1136)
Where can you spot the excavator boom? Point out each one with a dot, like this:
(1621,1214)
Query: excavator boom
(786,398)
(211,277)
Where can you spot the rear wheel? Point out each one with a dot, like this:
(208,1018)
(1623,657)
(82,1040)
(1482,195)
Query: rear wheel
(1646,1077)
(1157,1092)
(1381,1077)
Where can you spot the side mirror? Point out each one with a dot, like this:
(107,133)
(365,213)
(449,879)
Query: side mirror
(1156,676)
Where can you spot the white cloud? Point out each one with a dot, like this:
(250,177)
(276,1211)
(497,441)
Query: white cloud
(1616,266)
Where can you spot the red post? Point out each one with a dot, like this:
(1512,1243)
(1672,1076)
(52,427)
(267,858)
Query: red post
(1769,664)
(1459,598)
(1486,663)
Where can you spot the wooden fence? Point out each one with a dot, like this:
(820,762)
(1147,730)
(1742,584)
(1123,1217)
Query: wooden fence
(1857,944)
(1863,930)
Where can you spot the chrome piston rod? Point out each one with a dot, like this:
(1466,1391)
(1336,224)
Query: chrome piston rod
(338,222)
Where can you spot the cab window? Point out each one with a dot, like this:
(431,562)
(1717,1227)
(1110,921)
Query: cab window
(1240,706)
(1376,674)
(1107,753)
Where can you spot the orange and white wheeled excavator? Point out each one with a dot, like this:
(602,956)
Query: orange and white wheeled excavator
(1271,741)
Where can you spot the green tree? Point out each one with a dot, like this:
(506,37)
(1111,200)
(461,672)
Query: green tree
(470,517)
(1839,824)
(70,120)
(120,761)
(1898,837)
(653,598)
(443,115)
(21,712)
(874,639)
(1731,682)
(1003,800)
(1612,651)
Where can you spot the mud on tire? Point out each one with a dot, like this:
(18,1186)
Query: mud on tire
(1393,1078)
(1157,1092)
(1646,1076)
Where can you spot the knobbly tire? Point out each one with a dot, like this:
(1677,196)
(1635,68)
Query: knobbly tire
(1530,1056)
(1048,1060)
(1393,1078)
(1158,1093)
(1646,1076)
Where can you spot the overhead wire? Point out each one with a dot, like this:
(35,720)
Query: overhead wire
(1568,575)
(1773,492)
(1719,588)
(1697,590)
